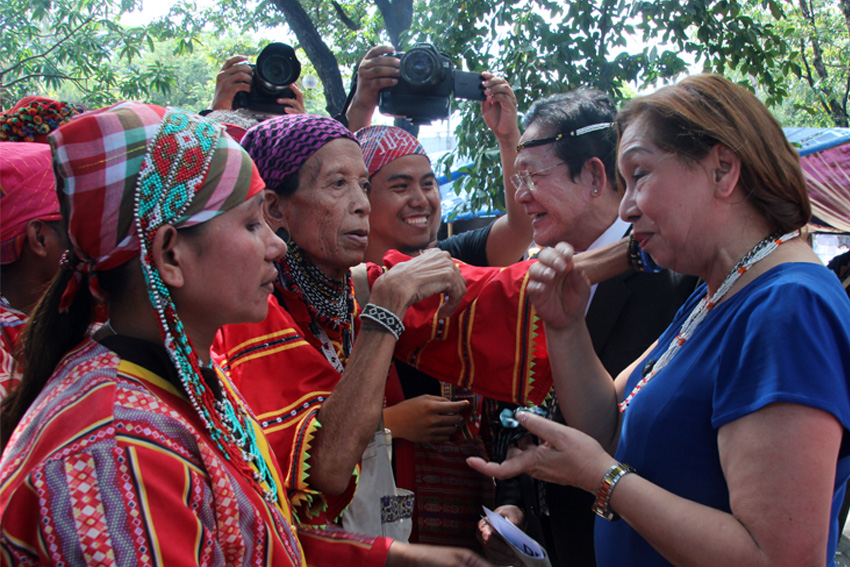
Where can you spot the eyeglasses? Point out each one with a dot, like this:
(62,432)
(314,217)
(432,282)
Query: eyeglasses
(571,134)
(527,177)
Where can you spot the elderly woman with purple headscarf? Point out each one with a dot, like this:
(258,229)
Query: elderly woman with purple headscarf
(340,348)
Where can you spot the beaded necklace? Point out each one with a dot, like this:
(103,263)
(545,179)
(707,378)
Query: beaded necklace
(758,252)
(330,302)
(173,170)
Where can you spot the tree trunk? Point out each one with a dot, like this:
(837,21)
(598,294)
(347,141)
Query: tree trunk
(317,51)
(398,16)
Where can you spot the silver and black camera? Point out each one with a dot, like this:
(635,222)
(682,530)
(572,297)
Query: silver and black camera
(426,86)
(276,69)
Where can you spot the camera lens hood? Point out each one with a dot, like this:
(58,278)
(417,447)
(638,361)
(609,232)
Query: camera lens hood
(277,67)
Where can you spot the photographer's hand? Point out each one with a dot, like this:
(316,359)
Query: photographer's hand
(235,76)
(511,234)
(376,71)
(294,105)
(500,108)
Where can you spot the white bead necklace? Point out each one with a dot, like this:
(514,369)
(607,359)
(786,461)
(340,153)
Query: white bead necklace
(758,252)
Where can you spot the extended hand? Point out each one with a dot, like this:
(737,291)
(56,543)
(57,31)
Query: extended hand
(425,419)
(567,456)
(417,555)
(559,292)
(428,274)
(494,546)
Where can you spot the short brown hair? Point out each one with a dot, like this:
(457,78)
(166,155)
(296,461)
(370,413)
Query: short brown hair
(690,118)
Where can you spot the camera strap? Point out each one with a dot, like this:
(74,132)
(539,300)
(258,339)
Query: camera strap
(341,117)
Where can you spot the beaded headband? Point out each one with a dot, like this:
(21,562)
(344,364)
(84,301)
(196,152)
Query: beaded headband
(32,121)
(561,135)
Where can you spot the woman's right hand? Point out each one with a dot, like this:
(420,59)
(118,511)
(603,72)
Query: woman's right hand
(425,419)
(559,291)
(418,555)
(428,274)
(564,456)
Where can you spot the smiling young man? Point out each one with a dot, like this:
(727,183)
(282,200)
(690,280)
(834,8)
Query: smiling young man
(405,196)
(405,215)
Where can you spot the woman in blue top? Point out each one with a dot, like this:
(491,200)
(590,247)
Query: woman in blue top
(734,424)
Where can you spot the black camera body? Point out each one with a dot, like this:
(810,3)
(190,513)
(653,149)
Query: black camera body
(276,69)
(426,86)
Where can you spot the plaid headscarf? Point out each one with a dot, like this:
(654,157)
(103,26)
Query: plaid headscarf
(281,145)
(383,144)
(27,192)
(127,171)
(99,155)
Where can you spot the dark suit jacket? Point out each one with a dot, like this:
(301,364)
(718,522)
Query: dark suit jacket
(627,313)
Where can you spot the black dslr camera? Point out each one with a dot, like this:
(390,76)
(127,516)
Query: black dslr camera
(276,69)
(426,86)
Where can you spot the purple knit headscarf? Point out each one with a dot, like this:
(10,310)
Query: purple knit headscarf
(281,145)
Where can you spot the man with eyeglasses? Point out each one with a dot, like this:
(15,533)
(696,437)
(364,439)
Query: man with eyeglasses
(565,180)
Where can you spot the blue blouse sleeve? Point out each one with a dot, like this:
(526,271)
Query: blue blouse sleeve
(788,342)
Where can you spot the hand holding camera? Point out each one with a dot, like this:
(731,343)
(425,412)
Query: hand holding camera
(427,82)
(377,70)
(500,108)
(271,85)
(235,76)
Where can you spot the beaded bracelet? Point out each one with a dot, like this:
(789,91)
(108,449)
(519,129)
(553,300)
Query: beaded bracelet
(640,261)
(383,317)
(606,488)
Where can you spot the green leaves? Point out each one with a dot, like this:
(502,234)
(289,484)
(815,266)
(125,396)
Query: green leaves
(77,47)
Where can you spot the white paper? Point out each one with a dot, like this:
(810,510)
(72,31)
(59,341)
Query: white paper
(525,548)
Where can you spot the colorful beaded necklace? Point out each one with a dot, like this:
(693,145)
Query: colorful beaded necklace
(758,252)
(173,170)
(330,302)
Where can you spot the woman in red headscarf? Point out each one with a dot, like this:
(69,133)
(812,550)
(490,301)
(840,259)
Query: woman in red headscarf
(31,242)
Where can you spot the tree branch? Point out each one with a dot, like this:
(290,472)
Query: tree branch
(75,80)
(347,22)
(46,53)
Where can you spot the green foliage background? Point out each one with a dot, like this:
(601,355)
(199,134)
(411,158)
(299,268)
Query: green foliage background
(794,54)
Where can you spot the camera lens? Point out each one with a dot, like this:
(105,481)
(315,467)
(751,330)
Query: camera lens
(420,67)
(277,70)
(277,67)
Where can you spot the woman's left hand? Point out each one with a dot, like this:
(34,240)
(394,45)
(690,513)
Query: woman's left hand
(565,456)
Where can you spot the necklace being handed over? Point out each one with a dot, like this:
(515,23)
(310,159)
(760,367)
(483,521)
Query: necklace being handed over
(758,252)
